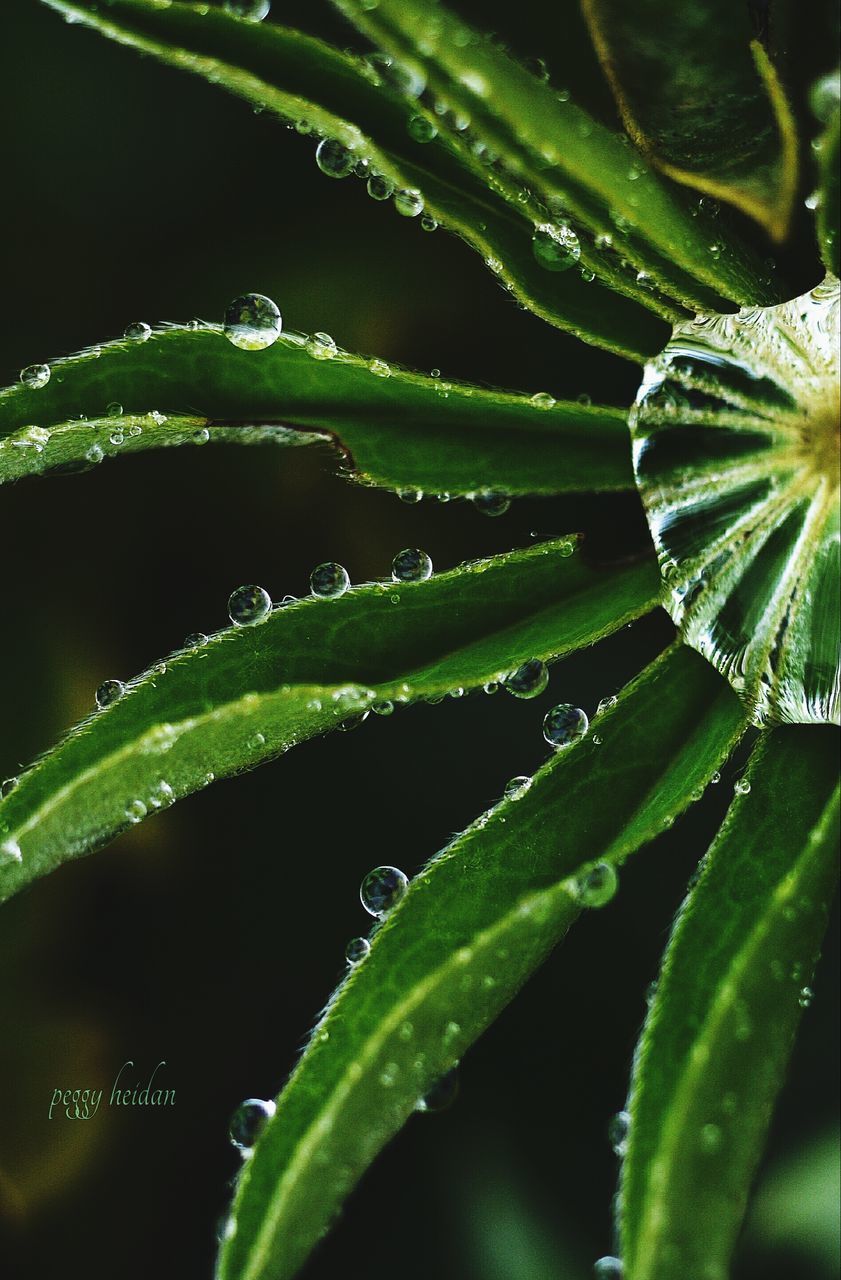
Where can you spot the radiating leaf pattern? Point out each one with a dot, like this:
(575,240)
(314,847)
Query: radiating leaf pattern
(736,455)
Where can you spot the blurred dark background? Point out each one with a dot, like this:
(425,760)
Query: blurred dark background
(211,936)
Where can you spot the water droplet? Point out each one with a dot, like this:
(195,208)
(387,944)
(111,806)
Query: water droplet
(408,202)
(382,889)
(321,346)
(584,400)
(116,438)
(389,1075)
(94,454)
(380,187)
(516,787)
(10,851)
(543,400)
(555,247)
(195,640)
(421,129)
(805,997)
(605,704)
(138,332)
(411,565)
(109,691)
(598,886)
(334,159)
(608,1268)
(8,786)
(328,581)
(410,496)
(711,1139)
(741,786)
(249,605)
(35,376)
(565,725)
(442,1094)
(250,10)
(529,680)
(429,223)
(136,811)
(491,687)
(490,503)
(252,322)
(716,778)
(405,80)
(650,993)
(201,436)
(249,1120)
(380,369)
(356,950)
(618,1131)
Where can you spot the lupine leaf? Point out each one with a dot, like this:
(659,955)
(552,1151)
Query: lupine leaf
(474,924)
(716,1042)
(392,427)
(569,159)
(700,96)
(248,693)
(327,93)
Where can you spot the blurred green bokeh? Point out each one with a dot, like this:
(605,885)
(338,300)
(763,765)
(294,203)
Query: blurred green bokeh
(134,193)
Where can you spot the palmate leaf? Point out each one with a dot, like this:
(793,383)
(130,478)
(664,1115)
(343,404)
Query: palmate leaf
(716,1042)
(331,94)
(248,693)
(567,158)
(700,96)
(472,927)
(392,427)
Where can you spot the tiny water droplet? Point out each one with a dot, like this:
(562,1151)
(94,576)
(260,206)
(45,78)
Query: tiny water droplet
(201,436)
(383,707)
(555,247)
(408,202)
(618,1131)
(252,322)
(249,605)
(334,159)
(491,687)
(428,223)
(605,704)
(543,400)
(250,10)
(109,691)
(805,997)
(380,369)
(138,332)
(741,786)
(528,680)
(516,787)
(715,779)
(10,851)
(490,503)
(356,950)
(565,725)
(136,811)
(711,1139)
(421,129)
(382,889)
(249,1120)
(380,187)
(35,376)
(328,581)
(608,1268)
(410,496)
(598,886)
(194,640)
(411,565)
(442,1094)
(7,786)
(321,346)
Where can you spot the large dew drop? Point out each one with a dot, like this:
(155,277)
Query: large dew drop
(334,159)
(411,565)
(328,581)
(249,605)
(382,889)
(608,1268)
(529,680)
(109,691)
(565,725)
(598,886)
(735,434)
(252,322)
(35,376)
(555,247)
(248,1122)
(250,10)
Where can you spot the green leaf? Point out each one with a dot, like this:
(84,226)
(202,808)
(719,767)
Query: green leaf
(474,924)
(392,427)
(714,1049)
(248,693)
(569,160)
(327,93)
(701,98)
